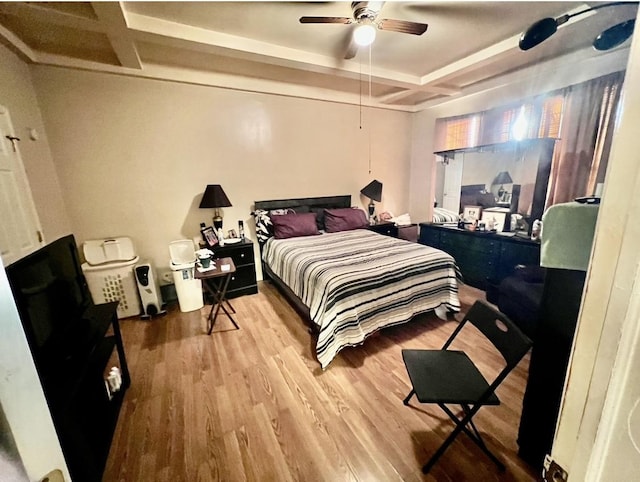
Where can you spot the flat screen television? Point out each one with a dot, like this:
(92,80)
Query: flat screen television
(51,294)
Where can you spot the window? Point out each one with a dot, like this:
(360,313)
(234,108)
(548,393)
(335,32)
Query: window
(458,132)
(551,117)
(537,118)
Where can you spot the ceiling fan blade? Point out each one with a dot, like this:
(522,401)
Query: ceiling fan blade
(402,26)
(352,50)
(343,20)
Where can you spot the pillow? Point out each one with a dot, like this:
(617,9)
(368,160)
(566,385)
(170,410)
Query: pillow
(319,212)
(344,219)
(264,226)
(293,225)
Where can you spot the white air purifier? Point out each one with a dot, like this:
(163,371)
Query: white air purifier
(149,290)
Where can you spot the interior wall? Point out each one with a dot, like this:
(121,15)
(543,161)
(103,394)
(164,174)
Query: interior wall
(18,95)
(134,155)
(536,80)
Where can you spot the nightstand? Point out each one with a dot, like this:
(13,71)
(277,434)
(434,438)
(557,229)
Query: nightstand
(388,229)
(243,282)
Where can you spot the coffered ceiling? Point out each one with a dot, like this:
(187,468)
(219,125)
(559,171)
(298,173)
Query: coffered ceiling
(262,46)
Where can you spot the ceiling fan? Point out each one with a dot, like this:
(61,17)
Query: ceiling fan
(365,16)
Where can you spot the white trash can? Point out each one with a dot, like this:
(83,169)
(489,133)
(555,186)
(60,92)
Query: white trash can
(183,262)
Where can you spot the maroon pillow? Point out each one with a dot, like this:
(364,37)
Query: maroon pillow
(344,219)
(292,225)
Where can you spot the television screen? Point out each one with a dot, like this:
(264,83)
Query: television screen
(50,290)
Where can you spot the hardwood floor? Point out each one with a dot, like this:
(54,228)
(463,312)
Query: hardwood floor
(254,405)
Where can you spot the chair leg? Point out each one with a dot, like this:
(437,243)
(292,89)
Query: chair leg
(445,445)
(480,441)
(406,400)
(475,435)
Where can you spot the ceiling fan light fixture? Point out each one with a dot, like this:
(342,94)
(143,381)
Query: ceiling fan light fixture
(545,28)
(614,36)
(538,33)
(364,34)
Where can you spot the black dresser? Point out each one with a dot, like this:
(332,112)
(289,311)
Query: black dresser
(243,282)
(484,258)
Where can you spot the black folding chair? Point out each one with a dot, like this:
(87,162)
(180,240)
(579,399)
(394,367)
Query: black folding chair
(450,377)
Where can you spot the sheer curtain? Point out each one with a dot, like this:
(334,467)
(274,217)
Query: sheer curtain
(581,155)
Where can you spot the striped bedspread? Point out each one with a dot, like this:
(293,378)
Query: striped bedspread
(357,282)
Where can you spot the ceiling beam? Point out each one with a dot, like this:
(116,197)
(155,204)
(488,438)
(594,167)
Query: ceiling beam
(19,46)
(178,35)
(41,13)
(113,18)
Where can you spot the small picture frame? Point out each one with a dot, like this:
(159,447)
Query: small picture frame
(471,213)
(495,220)
(209,236)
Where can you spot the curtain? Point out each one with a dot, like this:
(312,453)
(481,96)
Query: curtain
(585,135)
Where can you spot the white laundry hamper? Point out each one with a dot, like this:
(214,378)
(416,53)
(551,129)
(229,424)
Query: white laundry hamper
(109,271)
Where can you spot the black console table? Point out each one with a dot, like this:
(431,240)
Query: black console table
(484,258)
(72,371)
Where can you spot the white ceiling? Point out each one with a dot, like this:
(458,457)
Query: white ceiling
(261,46)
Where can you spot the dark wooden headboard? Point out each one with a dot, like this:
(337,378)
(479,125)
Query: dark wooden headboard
(325,202)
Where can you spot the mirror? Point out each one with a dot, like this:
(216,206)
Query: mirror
(512,175)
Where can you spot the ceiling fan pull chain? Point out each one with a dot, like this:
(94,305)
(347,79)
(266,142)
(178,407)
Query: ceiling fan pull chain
(360,85)
(370,109)
(369,75)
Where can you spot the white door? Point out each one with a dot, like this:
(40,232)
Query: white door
(20,231)
(452,183)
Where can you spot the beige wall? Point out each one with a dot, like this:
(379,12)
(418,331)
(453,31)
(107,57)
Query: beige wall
(134,155)
(18,95)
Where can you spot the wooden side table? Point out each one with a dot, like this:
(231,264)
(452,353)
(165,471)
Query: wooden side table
(216,282)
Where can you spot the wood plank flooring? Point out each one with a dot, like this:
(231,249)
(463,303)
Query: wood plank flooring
(254,405)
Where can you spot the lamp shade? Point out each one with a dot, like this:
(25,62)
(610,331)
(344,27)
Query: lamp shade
(214,197)
(373,190)
(503,177)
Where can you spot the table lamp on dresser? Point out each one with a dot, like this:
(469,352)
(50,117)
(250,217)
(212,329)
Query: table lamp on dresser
(373,191)
(214,197)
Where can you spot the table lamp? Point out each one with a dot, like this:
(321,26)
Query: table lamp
(214,197)
(373,191)
(502,178)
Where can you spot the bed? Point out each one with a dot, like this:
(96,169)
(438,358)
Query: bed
(351,283)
